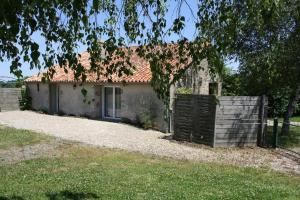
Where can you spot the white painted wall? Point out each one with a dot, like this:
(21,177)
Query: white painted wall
(139,101)
(40,98)
(72,101)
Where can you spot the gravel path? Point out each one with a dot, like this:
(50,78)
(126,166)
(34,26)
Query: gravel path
(122,136)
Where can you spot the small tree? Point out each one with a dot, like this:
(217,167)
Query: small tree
(231,83)
(25,100)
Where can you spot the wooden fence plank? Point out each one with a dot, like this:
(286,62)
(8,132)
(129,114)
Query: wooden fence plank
(237,98)
(234,121)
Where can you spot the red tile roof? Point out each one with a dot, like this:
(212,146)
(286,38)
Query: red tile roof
(141,73)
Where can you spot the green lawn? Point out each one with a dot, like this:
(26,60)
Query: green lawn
(10,137)
(292,119)
(292,140)
(82,172)
(288,141)
(295,119)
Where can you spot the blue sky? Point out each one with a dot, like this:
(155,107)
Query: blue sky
(188,32)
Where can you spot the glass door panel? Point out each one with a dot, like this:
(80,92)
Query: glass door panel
(118,92)
(108,102)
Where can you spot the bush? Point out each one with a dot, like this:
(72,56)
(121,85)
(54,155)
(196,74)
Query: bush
(61,113)
(184,90)
(25,100)
(146,116)
(43,111)
(146,120)
(278,102)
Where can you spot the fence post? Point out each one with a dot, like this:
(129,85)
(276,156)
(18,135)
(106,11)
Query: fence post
(275,133)
(261,134)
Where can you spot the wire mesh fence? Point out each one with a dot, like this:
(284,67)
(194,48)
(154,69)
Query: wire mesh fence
(288,141)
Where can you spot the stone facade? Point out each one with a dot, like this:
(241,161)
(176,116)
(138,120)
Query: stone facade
(199,80)
(138,101)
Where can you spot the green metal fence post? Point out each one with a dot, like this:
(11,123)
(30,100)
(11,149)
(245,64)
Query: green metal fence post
(275,133)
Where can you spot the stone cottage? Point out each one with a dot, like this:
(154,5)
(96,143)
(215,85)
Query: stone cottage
(127,98)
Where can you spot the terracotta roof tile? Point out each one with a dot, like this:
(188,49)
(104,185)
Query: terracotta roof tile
(141,74)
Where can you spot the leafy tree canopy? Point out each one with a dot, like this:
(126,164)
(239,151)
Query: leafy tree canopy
(224,28)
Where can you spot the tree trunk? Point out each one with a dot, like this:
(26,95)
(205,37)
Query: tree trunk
(294,99)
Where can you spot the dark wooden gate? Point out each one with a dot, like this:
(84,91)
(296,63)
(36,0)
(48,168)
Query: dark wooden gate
(194,118)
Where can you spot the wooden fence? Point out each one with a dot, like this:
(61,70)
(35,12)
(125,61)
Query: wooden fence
(9,99)
(220,122)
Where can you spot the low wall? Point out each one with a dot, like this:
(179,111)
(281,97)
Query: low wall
(219,122)
(9,99)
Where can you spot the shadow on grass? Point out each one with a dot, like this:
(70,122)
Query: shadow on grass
(63,195)
(71,195)
(12,198)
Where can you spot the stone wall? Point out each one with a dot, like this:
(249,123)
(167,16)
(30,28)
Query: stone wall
(198,79)
(9,99)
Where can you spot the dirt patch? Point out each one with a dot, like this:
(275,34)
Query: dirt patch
(296,149)
(19,154)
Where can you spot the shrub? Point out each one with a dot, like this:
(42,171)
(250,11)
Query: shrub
(25,100)
(43,110)
(61,113)
(146,120)
(147,114)
(278,101)
(184,90)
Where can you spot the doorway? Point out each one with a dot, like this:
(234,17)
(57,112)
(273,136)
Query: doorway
(111,108)
(53,98)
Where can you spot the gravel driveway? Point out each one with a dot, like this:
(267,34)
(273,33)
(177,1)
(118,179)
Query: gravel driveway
(123,136)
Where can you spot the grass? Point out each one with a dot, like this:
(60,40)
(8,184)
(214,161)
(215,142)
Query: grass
(10,137)
(292,140)
(295,119)
(81,172)
(292,119)
(287,141)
